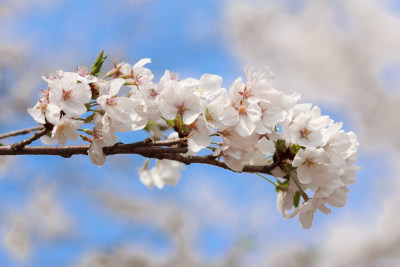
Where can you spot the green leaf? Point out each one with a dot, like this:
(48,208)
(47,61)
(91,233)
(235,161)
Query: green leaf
(296,198)
(284,185)
(96,68)
(170,123)
(1,144)
(280,145)
(294,149)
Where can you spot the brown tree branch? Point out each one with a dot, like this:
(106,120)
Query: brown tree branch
(168,149)
(212,160)
(21,132)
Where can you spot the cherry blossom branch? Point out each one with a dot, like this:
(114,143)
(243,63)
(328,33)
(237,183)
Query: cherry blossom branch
(146,148)
(21,132)
(254,121)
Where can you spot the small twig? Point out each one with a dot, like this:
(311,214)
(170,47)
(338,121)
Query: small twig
(21,132)
(303,194)
(35,136)
(262,176)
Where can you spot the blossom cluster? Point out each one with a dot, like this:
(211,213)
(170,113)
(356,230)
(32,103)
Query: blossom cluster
(251,124)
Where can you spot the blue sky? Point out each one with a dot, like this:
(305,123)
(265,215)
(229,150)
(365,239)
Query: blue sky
(188,38)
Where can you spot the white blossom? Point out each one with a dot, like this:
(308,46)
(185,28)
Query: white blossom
(175,100)
(312,166)
(66,129)
(166,172)
(70,95)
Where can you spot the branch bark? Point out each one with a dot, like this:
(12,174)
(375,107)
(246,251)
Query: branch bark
(168,149)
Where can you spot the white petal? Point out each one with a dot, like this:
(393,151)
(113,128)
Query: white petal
(115,86)
(37,115)
(210,82)
(168,111)
(190,115)
(233,164)
(304,174)
(306,219)
(96,154)
(53,114)
(142,62)
(245,127)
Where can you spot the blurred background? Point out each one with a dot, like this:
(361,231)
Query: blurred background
(343,56)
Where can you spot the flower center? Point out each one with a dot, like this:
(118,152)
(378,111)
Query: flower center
(305,133)
(181,109)
(66,94)
(209,116)
(309,162)
(83,71)
(138,79)
(110,101)
(241,109)
(246,93)
(153,92)
(97,134)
